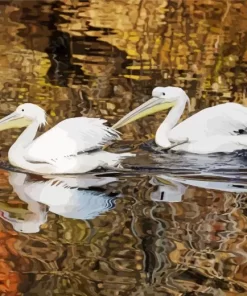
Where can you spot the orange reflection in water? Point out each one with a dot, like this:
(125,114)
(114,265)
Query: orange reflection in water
(11,264)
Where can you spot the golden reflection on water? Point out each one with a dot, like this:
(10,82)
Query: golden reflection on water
(102,58)
(115,52)
(160,237)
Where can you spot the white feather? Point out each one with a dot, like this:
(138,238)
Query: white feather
(70,147)
(70,137)
(223,120)
(214,129)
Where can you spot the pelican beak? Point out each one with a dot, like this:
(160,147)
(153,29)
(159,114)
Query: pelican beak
(13,120)
(150,107)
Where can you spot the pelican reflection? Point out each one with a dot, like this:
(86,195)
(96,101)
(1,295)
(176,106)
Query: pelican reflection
(168,190)
(172,189)
(65,196)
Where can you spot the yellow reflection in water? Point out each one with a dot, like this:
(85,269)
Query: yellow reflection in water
(102,58)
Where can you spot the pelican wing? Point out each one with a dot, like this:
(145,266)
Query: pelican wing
(224,120)
(70,137)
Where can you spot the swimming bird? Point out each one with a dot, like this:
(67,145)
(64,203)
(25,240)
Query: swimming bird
(72,146)
(214,129)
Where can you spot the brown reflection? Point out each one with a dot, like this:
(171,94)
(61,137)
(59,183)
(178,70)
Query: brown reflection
(194,245)
(102,58)
(116,52)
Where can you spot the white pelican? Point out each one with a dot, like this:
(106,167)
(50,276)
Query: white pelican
(211,130)
(64,196)
(69,147)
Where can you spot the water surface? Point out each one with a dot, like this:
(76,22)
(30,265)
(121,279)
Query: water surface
(150,232)
(127,235)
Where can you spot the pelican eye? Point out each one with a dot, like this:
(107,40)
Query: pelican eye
(163,94)
(22,110)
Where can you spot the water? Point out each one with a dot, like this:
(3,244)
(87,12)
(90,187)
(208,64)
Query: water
(125,235)
(176,224)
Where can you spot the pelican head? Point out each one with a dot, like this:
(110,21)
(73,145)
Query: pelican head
(24,115)
(162,98)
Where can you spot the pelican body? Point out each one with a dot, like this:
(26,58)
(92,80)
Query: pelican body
(70,147)
(215,129)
